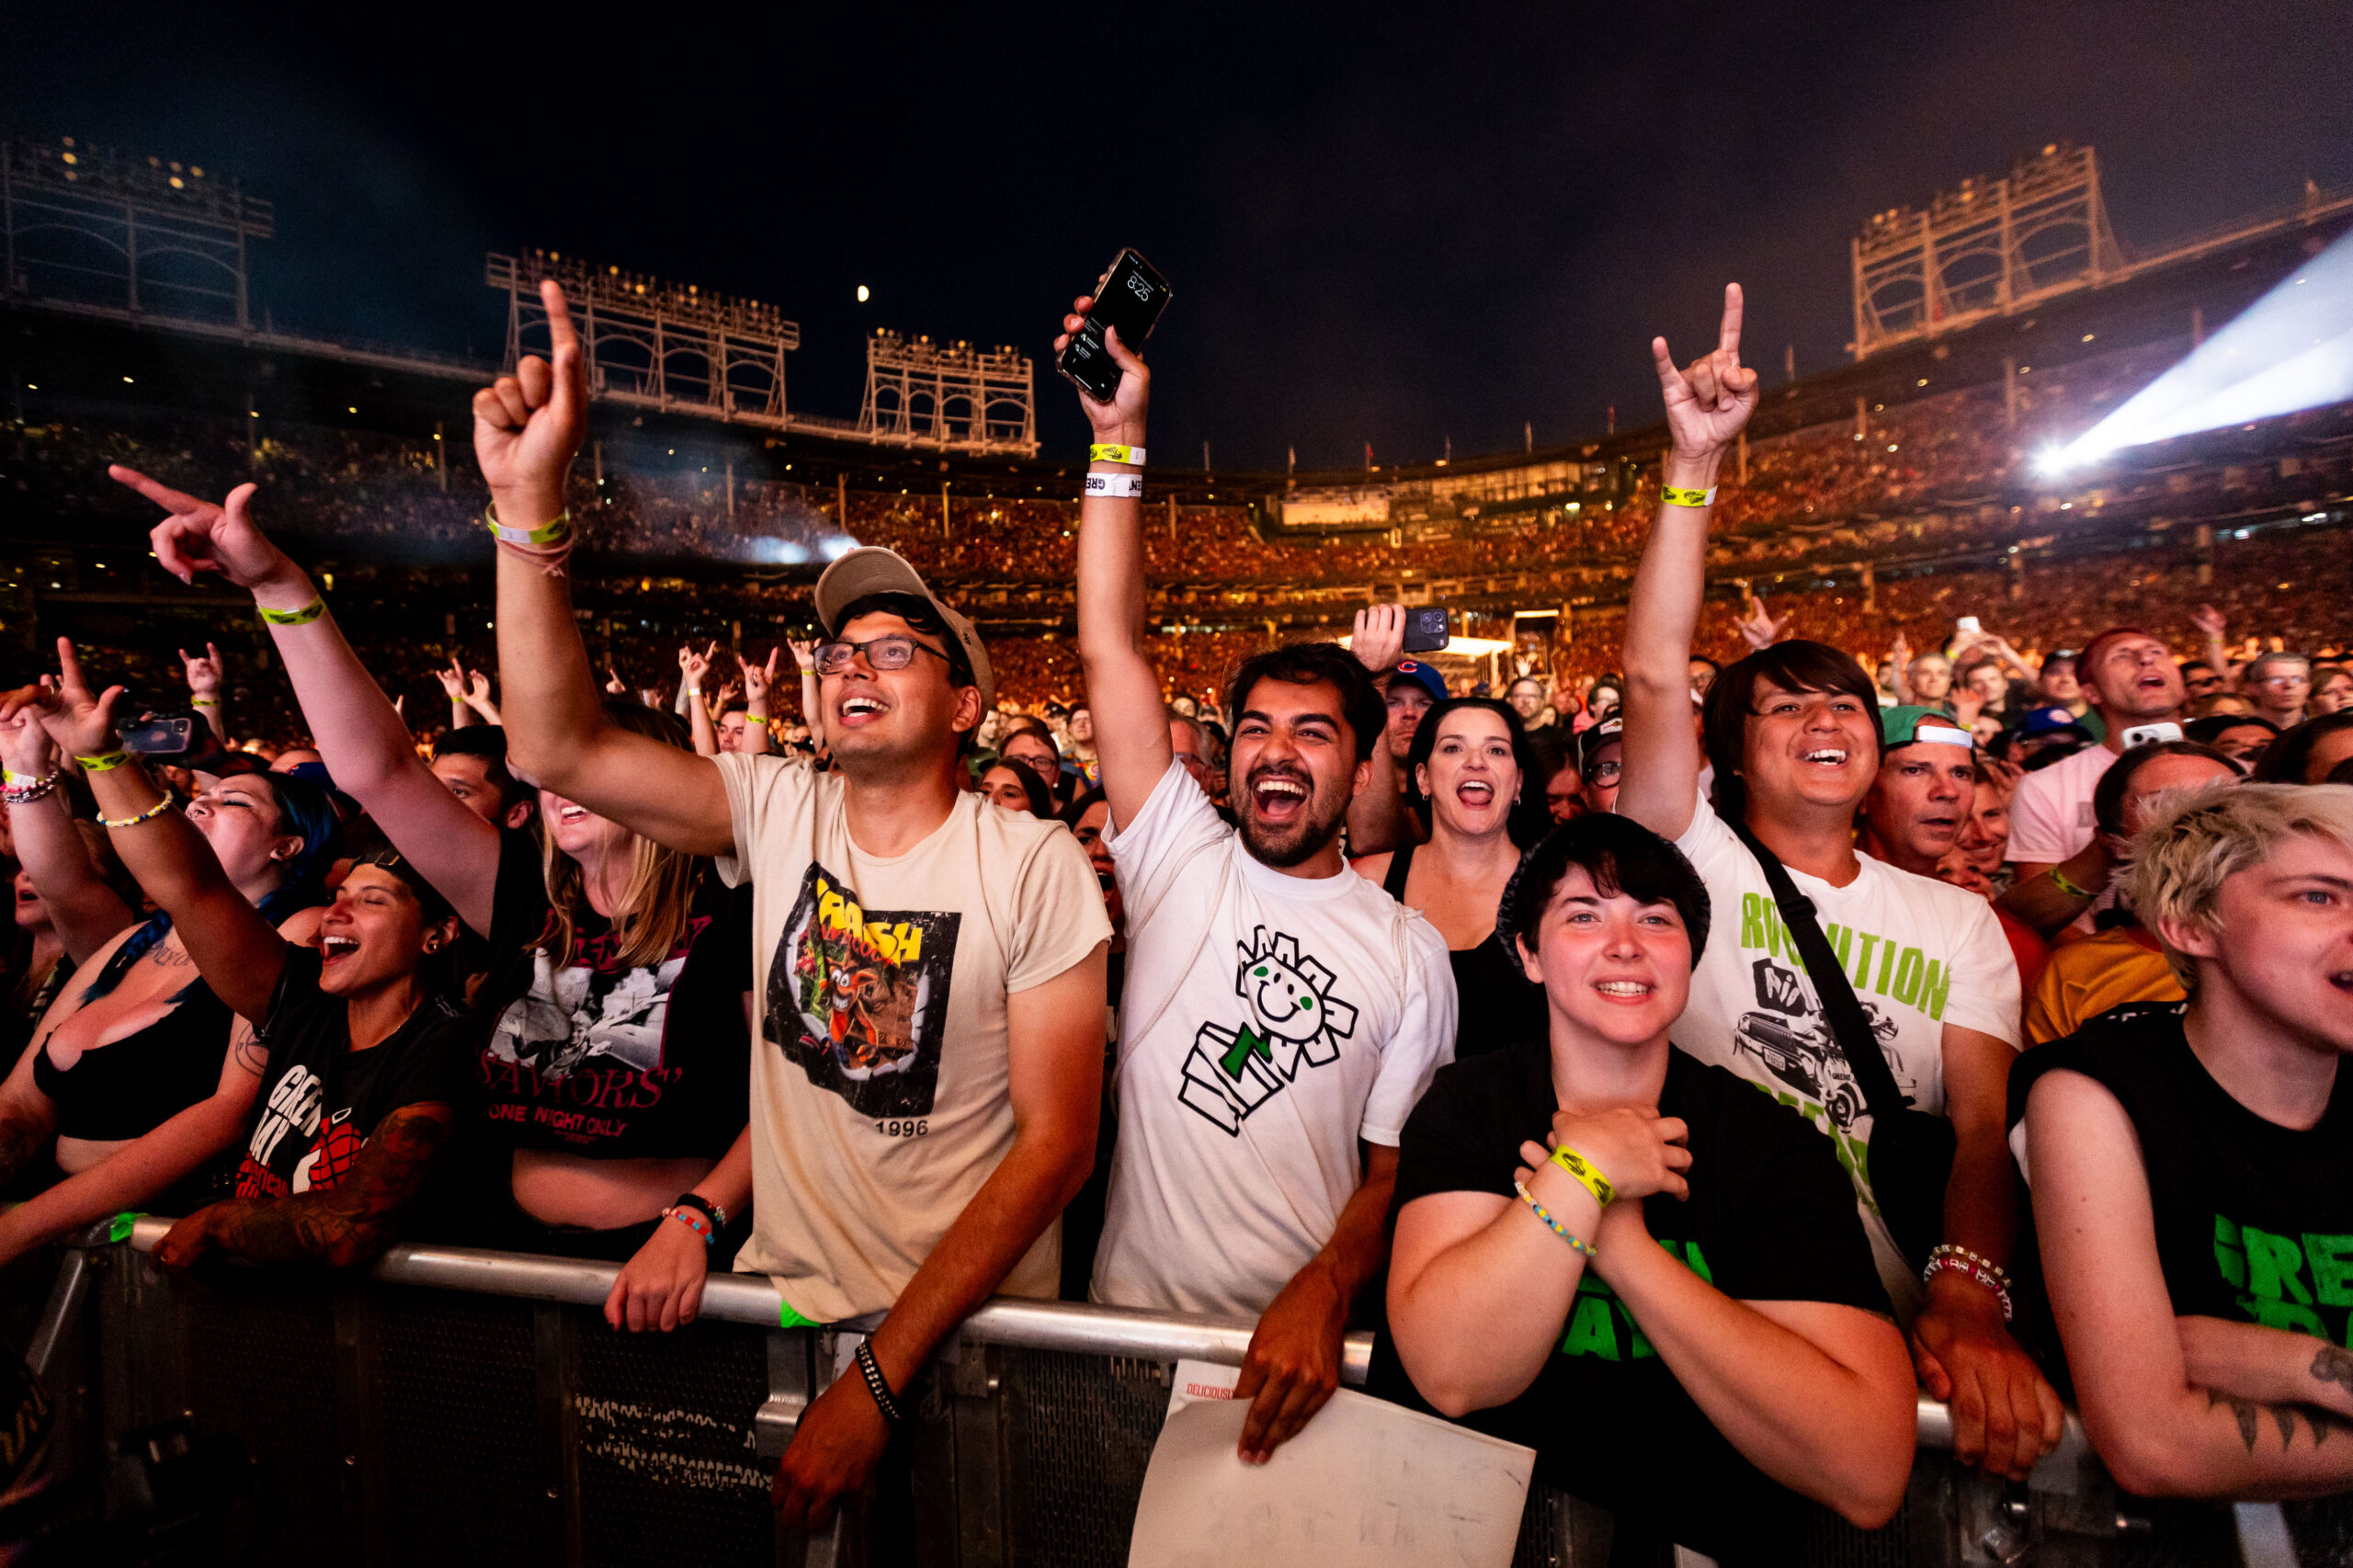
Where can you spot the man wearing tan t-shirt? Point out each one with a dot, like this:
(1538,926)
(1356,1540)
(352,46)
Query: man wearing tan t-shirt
(930,969)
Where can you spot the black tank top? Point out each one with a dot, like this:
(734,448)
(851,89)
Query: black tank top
(129,1088)
(1494,1003)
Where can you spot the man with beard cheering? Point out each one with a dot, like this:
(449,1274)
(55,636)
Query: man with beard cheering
(1282,1015)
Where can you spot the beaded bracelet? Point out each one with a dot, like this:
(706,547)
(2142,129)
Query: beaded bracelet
(698,1223)
(1950,1249)
(704,1206)
(1949,1264)
(1553,1225)
(876,1384)
(24,789)
(150,815)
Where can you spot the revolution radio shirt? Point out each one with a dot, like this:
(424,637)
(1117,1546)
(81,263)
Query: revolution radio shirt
(880,1085)
(1920,954)
(1269,1022)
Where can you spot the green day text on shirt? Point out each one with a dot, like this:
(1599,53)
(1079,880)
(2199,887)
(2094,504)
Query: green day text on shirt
(1600,1323)
(2300,1283)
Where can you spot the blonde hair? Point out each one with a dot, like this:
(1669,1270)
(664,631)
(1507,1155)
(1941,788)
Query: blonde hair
(654,909)
(2195,840)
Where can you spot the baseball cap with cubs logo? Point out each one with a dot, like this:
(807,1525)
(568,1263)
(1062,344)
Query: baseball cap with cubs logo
(1421,675)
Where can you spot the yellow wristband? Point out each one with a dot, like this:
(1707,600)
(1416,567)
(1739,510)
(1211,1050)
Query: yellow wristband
(1577,1164)
(2066,885)
(1110,452)
(1677,496)
(555,528)
(303,616)
(204,702)
(104,763)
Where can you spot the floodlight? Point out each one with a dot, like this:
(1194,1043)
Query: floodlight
(2291,350)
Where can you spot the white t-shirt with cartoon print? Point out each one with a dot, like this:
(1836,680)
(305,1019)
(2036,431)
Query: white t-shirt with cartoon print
(1919,953)
(1269,1022)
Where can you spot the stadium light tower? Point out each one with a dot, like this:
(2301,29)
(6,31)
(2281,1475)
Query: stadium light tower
(657,344)
(1986,247)
(89,228)
(923,394)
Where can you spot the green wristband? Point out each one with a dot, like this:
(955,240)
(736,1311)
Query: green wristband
(2059,880)
(303,616)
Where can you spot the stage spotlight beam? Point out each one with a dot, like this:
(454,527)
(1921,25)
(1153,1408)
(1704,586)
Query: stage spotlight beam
(2291,350)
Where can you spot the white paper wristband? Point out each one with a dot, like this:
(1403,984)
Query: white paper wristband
(1117,486)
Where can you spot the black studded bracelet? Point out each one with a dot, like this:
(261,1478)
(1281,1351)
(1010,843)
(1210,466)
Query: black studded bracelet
(877,1385)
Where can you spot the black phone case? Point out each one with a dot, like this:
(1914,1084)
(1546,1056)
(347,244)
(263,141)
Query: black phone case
(1096,372)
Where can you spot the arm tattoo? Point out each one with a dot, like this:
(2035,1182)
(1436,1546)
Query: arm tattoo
(2334,1365)
(251,1053)
(2249,1416)
(351,1224)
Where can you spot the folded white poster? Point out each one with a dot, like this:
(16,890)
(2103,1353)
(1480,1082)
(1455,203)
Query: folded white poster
(1367,1482)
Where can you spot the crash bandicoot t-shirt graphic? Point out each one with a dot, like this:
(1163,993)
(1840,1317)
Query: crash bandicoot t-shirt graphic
(857,997)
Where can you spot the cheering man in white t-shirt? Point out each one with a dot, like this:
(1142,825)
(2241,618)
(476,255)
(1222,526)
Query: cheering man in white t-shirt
(930,968)
(1793,733)
(2064,865)
(1282,1014)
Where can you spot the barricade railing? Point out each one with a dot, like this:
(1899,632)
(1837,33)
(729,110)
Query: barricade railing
(464,1405)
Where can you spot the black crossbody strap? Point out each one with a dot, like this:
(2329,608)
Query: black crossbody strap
(1849,1023)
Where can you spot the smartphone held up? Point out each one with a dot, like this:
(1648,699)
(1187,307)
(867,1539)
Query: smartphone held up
(1128,297)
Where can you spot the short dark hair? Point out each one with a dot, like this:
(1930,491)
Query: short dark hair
(1307,663)
(1621,855)
(487,742)
(1731,702)
(2107,795)
(2288,758)
(1528,817)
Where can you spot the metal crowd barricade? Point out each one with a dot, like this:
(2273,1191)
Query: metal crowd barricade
(460,1406)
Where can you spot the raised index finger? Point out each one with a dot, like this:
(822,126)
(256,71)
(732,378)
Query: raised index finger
(561,335)
(163,496)
(1728,335)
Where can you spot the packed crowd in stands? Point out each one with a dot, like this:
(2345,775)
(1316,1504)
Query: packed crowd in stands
(563,937)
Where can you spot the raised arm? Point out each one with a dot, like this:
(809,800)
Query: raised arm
(1707,406)
(804,659)
(758,681)
(453,686)
(2160,1432)
(360,736)
(1377,815)
(1131,724)
(1055,1057)
(693,670)
(236,951)
(2212,628)
(85,912)
(527,427)
(204,688)
(479,700)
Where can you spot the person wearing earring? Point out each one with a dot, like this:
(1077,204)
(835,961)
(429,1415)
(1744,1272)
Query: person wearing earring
(1468,776)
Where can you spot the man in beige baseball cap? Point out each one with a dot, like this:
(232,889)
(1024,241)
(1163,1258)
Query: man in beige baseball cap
(927,967)
(871,571)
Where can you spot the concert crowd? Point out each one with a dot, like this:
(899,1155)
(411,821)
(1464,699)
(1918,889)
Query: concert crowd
(1727,1027)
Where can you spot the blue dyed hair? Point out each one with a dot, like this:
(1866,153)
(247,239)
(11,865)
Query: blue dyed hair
(304,812)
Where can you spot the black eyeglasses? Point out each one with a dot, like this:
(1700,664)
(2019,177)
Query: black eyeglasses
(892,652)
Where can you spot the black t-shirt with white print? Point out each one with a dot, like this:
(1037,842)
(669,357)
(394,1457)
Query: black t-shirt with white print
(1771,1217)
(322,1100)
(610,1060)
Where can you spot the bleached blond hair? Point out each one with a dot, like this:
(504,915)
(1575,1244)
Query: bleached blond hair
(2196,839)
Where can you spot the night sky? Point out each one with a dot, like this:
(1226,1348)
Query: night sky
(1394,228)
